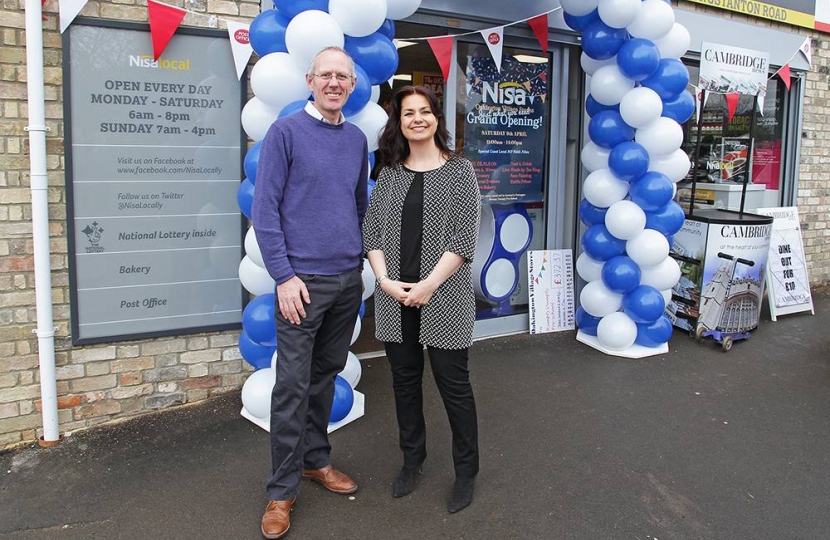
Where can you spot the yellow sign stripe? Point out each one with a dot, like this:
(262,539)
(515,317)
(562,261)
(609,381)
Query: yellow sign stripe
(762,10)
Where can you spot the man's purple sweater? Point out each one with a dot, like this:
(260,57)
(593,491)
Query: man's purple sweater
(310,197)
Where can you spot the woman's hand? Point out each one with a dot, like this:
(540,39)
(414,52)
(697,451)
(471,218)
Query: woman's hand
(420,294)
(396,289)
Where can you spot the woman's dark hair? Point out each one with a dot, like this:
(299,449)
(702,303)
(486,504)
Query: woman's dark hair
(393,146)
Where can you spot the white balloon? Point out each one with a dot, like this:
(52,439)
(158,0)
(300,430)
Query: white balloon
(257,117)
(252,248)
(368,278)
(648,248)
(602,188)
(675,165)
(278,79)
(401,9)
(352,371)
(618,13)
(664,275)
(590,65)
(371,120)
(375,96)
(598,300)
(594,157)
(660,137)
(358,18)
(625,220)
(609,85)
(256,393)
(640,106)
(617,331)
(356,332)
(274,361)
(309,32)
(255,279)
(666,296)
(578,8)
(675,43)
(588,269)
(653,21)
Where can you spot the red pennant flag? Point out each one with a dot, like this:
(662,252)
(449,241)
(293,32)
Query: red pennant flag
(164,20)
(539,24)
(784,74)
(731,105)
(442,49)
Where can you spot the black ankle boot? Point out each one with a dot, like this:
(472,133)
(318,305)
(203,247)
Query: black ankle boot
(462,494)
(405,481)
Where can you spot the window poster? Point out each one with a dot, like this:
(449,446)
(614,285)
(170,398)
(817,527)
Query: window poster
(154,154)
(505,127)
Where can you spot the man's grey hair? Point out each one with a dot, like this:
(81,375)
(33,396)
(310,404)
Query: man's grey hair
(313,67)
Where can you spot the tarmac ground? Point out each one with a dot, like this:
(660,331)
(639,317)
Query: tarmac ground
(692,444)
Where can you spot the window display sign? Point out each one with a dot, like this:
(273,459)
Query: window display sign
(728,70)
(153,160)
(788,287)
(505,127)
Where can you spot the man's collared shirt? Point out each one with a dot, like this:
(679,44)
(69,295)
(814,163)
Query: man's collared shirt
(312,110)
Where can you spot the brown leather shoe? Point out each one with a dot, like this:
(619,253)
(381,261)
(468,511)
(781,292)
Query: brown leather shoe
(275,520)
(332,479)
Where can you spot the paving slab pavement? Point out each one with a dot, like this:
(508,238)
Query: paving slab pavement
(692,444)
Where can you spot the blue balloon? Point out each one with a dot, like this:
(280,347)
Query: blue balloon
(644,304)
(592,106)
(293,7)
(258,319)
(292,108)
(667,220)
(370,185)
(628,161)
(267,32)
(362,310)
(654,334)
(245,197)
(601,42)
(621,274)
(585,322)
(581,22)
(361,93)
(376,54)
(387,28)
(343,400)
(652,191)
(256,354)
(680,108)
(670,240)
(607,129)
(669,80)
(251,160)
(600,244)
(371,161)
(638,58)
(591,215)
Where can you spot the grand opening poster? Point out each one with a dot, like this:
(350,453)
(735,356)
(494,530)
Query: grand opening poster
(505,127)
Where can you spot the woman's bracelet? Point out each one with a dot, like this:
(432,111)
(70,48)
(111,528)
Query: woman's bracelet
(380,279)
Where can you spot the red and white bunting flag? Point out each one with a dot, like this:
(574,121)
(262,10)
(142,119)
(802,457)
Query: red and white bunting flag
(442,49)
(731,105)
(539,24)
(494,38)
(164,20)
(69,9)
(784,75)
(240,45)
(806,49)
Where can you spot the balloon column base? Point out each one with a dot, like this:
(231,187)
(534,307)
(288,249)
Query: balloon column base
(354,414)
(635,351)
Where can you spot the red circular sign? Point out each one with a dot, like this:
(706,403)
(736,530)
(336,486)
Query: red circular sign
(241,36)
(493,38)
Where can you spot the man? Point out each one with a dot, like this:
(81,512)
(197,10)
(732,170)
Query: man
(308,208)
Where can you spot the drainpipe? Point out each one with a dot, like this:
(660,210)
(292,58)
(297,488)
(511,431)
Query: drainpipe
(40,222)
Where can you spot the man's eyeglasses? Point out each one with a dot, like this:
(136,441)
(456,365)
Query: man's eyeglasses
(341,77)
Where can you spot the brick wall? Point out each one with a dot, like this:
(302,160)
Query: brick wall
(104,382)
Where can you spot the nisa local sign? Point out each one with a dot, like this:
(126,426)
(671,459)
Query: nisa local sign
(146,61)
(806,13)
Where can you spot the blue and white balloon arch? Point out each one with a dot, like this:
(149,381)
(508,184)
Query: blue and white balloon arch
(286,39)
(631,50)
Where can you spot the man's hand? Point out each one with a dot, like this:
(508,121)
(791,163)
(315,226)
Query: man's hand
(291,295)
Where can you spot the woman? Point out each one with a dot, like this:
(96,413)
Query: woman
(420,235)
